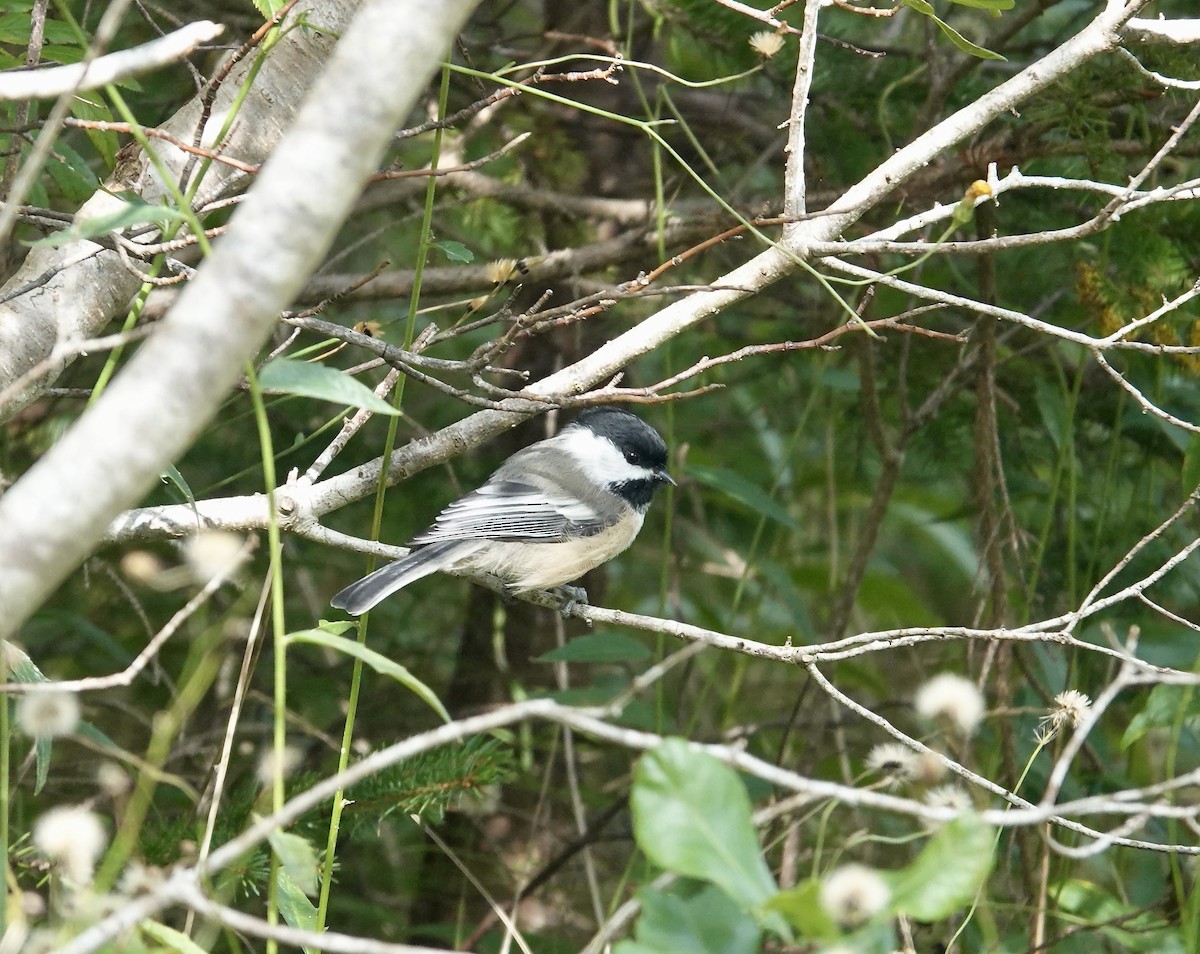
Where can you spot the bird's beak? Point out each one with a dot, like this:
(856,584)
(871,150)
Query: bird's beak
(663,477)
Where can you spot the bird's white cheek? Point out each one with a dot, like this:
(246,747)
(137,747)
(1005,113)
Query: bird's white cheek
(540,566)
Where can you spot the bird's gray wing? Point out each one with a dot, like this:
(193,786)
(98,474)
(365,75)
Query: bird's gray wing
(512,510)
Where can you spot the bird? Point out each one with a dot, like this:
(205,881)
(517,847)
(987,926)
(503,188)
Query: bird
(550,513)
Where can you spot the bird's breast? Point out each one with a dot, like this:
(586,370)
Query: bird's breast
(540,566)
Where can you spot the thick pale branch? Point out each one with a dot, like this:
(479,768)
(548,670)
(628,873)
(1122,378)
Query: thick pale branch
(1180,32)
(57,512)
(66,294)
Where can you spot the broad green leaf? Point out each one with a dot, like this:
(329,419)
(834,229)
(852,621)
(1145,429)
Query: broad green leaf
(948,872)
(745,492)
(320,382)
(268,8)
(377,661)
(298,857)
(71,173)
(455,251)
(801,906)
(960,41)
(996,5)
(294,905)
(1162,708)
(707,922)
(16,28)
(599,648)
(174,940)
(133,212)
(691,815)
(104,142)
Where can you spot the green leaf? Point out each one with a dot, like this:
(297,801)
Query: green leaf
(16,28)
(1163,707)
(455,251)
(172,476)
(294,905)
(706,922)
(174,940)
(23,669)
(691,815)
(71,174)
(948,872)
(42,752)
(268,8)
(745,492)
(996,5)
(105,143)
(85,730)
(298,857)
(960,41)
(320,382)
(801,906)
(133,211)
(377,661)
(1190,476)
(20,667)
(599,648)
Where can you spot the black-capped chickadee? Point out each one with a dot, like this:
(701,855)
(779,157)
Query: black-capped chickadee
(553,511)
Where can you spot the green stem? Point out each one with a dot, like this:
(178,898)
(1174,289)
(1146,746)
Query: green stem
(335,817)
(278,626)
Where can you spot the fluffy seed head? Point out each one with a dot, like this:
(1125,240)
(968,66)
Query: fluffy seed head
(1070,706)
(142,566)
(289,759)
(930,769)
(948,796)
(212,552)
(853,894)
(72,837)
(766,43)
(48,714)
(951,699)
(139,879)
(113,780)
(501,270)
(895,762)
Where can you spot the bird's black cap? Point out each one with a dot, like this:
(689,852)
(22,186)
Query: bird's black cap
(628,432)
(640,444)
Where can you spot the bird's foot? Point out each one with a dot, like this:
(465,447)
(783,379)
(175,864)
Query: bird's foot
(571,597)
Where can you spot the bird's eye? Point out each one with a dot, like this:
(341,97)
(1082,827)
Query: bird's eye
(633,457)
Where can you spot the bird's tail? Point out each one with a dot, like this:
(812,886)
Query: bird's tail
(359,597)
